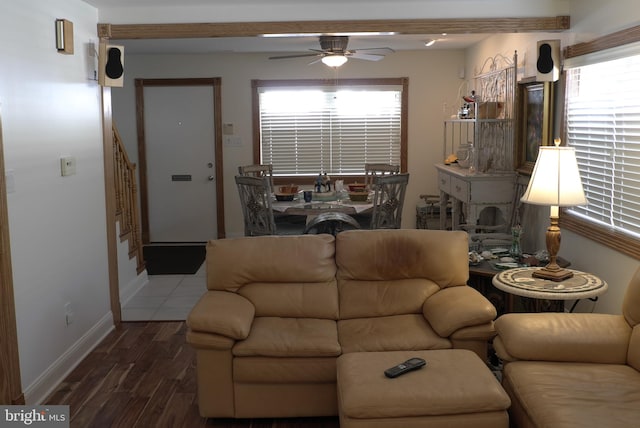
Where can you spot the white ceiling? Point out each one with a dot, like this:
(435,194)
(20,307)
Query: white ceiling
(292,44)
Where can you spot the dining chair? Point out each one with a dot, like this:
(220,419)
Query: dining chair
(255,200)
(332,222)
(372,170)
(258,170)
(257,210)
(388,199)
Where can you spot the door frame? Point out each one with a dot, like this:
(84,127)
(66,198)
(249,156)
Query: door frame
(215,83)
(10,383)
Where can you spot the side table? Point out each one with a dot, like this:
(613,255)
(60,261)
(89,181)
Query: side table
(519,282)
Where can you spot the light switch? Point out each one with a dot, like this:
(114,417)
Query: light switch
(10,181)
(68,166)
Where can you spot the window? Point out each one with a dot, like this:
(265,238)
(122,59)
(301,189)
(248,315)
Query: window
(602,110)
(307,127)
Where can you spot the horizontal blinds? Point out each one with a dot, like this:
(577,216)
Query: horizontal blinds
(304,132)
(603,124)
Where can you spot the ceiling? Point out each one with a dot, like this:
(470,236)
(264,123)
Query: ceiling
(161,11)
(299,44)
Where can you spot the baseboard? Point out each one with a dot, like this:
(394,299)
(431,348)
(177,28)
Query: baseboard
(51,378)
(131,289)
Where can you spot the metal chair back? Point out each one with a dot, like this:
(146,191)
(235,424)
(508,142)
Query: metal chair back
(372,170)
(255,199)
(388,200)
(258,170)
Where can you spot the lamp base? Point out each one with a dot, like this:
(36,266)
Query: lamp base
(555,273)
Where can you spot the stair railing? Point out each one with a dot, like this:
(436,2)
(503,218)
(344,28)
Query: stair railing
(127,200)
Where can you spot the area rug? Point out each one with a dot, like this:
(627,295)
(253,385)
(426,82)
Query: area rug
(173,259)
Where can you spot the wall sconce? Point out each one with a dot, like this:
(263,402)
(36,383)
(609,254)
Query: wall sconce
(64,36)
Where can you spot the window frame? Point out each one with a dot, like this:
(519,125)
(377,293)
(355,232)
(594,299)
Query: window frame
(256,85)
(604,235)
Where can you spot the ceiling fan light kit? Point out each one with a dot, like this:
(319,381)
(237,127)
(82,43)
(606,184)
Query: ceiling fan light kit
(334,53)
(334,60)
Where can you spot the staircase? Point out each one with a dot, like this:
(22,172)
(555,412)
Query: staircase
(127,201)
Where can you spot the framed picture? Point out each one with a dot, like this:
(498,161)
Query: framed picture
(535,117)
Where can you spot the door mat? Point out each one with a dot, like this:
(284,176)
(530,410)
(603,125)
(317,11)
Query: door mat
(173,259)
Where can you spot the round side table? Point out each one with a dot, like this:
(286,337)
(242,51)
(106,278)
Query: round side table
(519,282)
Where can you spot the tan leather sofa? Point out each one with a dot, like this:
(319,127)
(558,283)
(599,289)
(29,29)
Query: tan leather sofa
(573,369)
(280,310)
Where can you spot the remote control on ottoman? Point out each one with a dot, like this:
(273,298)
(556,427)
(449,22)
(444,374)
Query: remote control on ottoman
(402,368)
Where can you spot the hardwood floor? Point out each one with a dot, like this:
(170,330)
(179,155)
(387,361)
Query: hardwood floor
(143,375)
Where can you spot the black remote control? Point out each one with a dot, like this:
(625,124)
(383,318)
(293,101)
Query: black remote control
(402,368)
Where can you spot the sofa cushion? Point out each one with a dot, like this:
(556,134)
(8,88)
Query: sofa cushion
(454,308)
(575,394)
(392,333)
(569,337)
(293,300)
(223,313)
(284,370)
(290,337)
(373,255)
(233,263)
(363,299)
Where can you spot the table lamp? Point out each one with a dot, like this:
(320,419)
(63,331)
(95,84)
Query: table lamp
(555,182)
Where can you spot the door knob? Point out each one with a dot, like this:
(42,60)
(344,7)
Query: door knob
(211,178)
(210,165)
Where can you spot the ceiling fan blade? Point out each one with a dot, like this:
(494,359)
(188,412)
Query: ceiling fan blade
(294,56)
(367,57)
(382,50)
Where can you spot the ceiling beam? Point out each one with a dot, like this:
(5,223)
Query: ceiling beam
(398,26)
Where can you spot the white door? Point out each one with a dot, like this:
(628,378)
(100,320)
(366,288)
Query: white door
(179,137)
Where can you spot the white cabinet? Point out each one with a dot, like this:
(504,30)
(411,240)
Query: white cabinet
(471,193)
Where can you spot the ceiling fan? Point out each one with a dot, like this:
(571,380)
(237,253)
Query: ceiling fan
(333,52)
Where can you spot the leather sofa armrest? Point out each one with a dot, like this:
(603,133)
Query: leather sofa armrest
(453,308)
(224,313)
(564,337)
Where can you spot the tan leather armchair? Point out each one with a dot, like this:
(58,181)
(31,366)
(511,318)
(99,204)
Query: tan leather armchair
(573,369)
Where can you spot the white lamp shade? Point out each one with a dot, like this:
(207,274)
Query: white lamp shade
(334,60)
(556,179)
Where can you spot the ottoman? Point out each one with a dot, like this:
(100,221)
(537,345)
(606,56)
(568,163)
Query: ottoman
(454,389)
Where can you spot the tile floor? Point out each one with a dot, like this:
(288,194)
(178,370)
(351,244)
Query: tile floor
(166,297)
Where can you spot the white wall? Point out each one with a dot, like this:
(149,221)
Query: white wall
(57,224)
(433,81)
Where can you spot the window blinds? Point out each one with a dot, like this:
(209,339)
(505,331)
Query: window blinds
(307,131)
(603,124)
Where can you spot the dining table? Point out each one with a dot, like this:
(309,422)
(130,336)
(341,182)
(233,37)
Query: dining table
(313,208)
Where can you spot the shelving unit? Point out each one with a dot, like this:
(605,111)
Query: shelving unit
(491,122)
(489,126)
